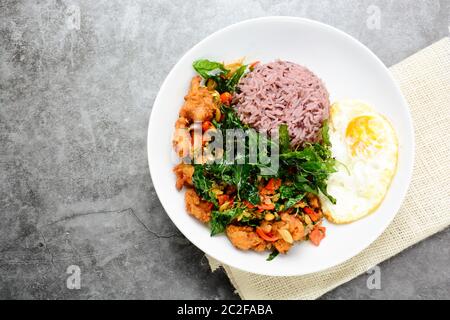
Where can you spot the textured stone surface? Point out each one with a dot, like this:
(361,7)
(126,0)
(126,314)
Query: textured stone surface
(74,106)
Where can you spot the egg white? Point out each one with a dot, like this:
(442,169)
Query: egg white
(365,146)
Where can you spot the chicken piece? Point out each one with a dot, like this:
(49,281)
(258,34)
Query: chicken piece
(281,245)
(197,207)
(266,226)
(295,226)
(245,238)
(182,123)
(182,142)
(184,174)
(288,222)
(199,103)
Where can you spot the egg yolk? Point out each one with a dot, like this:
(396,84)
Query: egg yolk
(362,137)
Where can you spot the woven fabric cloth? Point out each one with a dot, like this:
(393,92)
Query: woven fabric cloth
(424,79)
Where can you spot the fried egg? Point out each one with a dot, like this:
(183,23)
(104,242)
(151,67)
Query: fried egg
(365,146)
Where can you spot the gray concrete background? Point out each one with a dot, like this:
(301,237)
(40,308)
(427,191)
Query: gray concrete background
(74,106)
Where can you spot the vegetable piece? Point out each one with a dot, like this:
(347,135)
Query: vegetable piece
(203,185)
(218,115)
(311,213)
(248,204)
(273,184)
(206,125)
(300,204)
(253,65)
(317,234)
(283,138)
(313,164)
(237,75)
(325,135)
(233,67)
(224,79)
(272,255)
(231,119)
(269,217)
(293,201)
(225,98)
(266,236)
(266,206)
(222,198)
(219,220)
(211,84)
(205,68)
(225,206)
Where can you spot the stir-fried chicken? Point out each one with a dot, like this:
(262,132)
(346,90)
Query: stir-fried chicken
(289,229)
(182,142)
(184,174)
(281,234)
(245,238)
(199,103)
(197,207)
(295,226)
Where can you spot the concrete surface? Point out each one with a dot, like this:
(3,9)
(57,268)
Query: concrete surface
(74,105)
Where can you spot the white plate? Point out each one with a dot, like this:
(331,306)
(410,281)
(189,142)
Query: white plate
(349,70)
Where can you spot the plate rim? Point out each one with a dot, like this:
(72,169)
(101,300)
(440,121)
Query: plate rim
(410,125)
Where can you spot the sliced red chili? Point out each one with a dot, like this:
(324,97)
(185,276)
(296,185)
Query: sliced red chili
(311,213)
(266,236)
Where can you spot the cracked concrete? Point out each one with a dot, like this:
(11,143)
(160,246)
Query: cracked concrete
(75,97)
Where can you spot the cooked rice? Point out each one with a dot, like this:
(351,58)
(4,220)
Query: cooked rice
(283,92)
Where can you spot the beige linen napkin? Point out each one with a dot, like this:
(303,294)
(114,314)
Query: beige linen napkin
(424,79)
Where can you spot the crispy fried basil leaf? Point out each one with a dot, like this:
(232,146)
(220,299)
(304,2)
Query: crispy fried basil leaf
(220,220)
